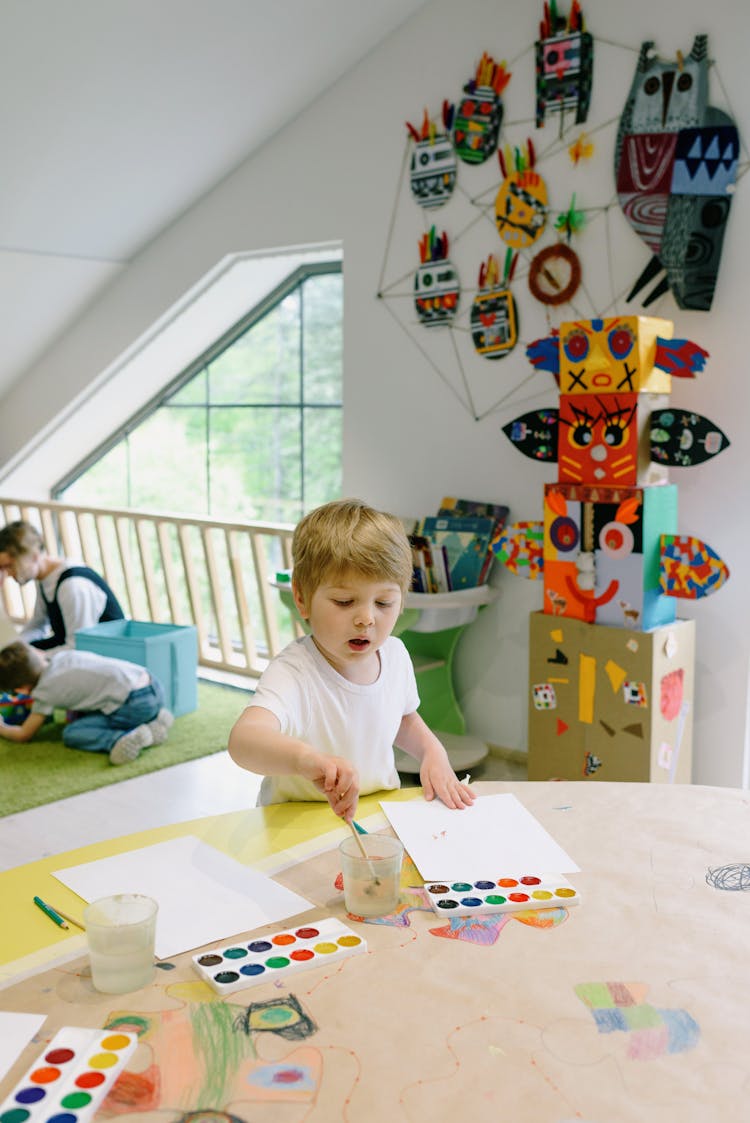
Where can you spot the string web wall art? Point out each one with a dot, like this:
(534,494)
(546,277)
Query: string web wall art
(533,194)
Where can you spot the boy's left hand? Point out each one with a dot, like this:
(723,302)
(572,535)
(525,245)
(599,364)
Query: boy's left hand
(439,779)
(23,732)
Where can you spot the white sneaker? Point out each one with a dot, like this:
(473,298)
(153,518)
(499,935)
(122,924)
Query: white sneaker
(129,747)
(161,725)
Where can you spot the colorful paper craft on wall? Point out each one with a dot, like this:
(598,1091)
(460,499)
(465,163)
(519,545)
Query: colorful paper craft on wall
(521,203)
(581,149)
(564,64)
(675,162)
(433,161)
(675,169)
(436,287)
(494,315)
(480,112)
(555,274)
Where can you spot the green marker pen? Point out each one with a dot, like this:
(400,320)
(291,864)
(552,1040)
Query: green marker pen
(50,913)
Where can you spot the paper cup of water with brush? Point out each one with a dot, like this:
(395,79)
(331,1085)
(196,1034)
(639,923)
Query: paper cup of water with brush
(371,867)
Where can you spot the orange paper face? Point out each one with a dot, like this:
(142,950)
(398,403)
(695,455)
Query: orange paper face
(598,439)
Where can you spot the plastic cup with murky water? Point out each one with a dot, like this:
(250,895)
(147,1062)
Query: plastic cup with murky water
(371,884)
(121,931)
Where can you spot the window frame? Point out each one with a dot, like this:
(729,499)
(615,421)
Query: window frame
(201,363)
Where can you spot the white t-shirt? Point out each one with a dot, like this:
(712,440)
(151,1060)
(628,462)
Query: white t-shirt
(81,603)
(315,703)
(85,681)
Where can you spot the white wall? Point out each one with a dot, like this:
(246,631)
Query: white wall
(333,175)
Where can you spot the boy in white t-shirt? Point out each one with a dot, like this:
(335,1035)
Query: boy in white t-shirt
(120,705)
(329,708)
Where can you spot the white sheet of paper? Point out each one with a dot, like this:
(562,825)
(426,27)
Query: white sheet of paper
(16,1031)
(204,895)
(493,837)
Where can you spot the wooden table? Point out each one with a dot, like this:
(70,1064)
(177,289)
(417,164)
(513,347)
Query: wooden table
(631,1007)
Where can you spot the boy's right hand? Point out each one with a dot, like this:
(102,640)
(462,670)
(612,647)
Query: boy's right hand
(336,778)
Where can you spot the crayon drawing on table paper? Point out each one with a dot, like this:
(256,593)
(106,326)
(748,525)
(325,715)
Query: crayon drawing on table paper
(497,830)
(203,894)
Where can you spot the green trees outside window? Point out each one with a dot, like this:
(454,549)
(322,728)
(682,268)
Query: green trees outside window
(251,432)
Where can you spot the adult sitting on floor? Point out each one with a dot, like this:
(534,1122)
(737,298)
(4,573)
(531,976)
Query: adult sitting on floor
(69,596)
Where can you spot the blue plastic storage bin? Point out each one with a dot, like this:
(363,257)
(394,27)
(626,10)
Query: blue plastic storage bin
(169,651)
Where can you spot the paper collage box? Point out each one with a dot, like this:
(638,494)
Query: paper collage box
(610,703)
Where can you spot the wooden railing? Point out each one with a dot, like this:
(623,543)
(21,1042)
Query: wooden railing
(174,569)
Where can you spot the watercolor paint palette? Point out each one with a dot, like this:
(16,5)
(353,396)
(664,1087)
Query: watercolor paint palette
(71,1078)
(504,894)
(267,958)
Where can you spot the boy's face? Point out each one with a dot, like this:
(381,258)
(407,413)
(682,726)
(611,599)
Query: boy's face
(351,617)
(23,567)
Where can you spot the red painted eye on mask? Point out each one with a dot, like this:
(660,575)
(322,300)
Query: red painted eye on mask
(576,346)
(616,540)
(621,341)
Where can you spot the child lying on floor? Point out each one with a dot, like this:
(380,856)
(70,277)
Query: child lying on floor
(119,706)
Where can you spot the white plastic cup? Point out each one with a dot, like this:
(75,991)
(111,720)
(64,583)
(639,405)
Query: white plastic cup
(121,931)
(372,884)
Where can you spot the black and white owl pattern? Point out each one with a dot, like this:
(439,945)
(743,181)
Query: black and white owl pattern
(675,167)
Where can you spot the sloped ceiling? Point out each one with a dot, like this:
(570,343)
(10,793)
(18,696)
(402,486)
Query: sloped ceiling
(117,115)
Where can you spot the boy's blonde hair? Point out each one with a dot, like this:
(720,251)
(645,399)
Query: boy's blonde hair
(348,535)
(20,665)
(19,538)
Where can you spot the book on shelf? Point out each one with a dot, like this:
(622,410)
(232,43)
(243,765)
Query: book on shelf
(476,508)
(466,541)
(430,566)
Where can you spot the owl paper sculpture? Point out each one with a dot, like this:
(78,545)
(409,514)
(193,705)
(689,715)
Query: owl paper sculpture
(675,168)
(610,553)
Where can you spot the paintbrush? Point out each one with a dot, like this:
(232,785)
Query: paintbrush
(361,845)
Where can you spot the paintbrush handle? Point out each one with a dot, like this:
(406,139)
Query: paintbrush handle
(363,852)
(358,839)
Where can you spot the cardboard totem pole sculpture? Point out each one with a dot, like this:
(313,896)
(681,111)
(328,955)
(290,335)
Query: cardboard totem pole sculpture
(611,666)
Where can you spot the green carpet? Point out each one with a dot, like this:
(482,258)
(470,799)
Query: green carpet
(43,770)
